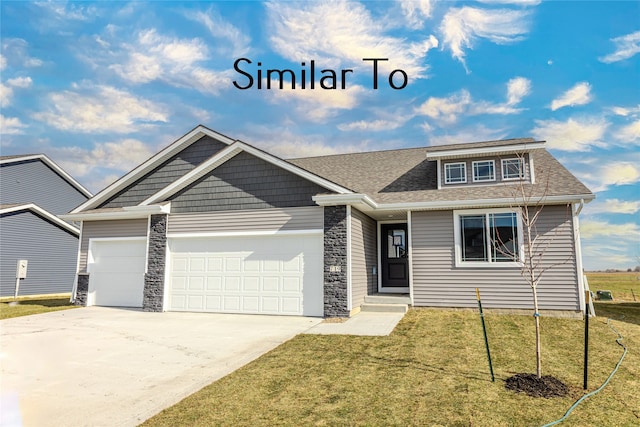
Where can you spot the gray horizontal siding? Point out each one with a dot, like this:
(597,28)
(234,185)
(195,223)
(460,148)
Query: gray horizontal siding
(438,282)
(245,182)
(33,181)
(117,228)
(363,257)
(498,170)
(51,252)
(165,174)
(303,218)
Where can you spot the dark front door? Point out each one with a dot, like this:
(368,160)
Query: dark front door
(395,262)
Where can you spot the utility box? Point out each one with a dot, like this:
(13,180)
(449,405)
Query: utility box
(604,295)
(21,269)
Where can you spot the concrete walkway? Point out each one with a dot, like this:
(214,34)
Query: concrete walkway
(363,323)
(115,367)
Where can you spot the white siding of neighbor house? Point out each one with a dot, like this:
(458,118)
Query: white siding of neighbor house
(438,282)
(363,257)
(247,221)
(114,228)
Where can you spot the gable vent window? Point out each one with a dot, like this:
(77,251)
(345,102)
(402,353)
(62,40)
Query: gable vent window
(455,173)
(512,169)
(484,171)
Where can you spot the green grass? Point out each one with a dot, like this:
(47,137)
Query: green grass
(623,286)
(28,305)
(431,371)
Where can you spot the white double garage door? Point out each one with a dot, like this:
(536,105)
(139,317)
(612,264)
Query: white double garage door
(263,274)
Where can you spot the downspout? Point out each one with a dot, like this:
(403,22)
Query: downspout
(578,249)
(74,290)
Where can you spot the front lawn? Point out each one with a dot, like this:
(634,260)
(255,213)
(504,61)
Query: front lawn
(29,305)
(431,371)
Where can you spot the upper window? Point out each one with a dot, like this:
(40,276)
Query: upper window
(455,173)
(484,170)
(512,169)
(487,238)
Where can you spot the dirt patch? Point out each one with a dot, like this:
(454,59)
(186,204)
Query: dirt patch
(546,386)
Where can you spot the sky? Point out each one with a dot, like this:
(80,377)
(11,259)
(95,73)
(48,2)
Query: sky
(101,86)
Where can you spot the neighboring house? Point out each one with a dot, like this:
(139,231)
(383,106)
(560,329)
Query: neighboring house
(33,192)
(213,224)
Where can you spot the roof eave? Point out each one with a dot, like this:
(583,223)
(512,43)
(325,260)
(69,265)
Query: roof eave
(57,220)
(475,152)
(130,212)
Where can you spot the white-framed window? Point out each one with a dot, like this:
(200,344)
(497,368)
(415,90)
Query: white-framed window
(488,238)
(455,173)
(512,169)
(484,170)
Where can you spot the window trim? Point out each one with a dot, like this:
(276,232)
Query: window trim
(446,178)
(493,166)
(522,169)
(490,263)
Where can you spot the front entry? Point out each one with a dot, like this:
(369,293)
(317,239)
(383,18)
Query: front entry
(394,258)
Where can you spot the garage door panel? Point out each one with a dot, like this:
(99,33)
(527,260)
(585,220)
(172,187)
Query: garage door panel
(116,272)
(259,274)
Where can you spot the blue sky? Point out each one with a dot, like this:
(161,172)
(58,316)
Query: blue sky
(101,86)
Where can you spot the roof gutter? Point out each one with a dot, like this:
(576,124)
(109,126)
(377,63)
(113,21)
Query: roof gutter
(129,212)
(363,199)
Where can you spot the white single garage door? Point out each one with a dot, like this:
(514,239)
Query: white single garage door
(116,272)
(273,274)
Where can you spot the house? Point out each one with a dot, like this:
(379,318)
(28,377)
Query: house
(214,224)
(33,192)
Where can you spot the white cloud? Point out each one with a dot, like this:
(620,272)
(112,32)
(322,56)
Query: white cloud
(517,88)
(447,109)
(615,206)
(579,94)
(286,144)
(629,133)
(476,133)
(3,62)
(15,52)
(372,125)
(318,105)
(11,125)
(625,47)
(172,60)
(572,135)
(598,175)
(342,33)
(100,109)
(590,229)
(461,26)
(20,82)
(513,2)
(6,93)
(238,42)
(415,12)
(68,10)
(624,111)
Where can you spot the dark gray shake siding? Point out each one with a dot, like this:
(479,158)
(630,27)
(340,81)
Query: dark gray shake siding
(245,182)
(50,250)
(438,282)
(156,259)
(165,174)
(336,302)
(364,258)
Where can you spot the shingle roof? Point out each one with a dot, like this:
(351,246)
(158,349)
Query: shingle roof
(404,176)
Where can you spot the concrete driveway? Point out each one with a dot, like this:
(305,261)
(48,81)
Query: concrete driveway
(117,367)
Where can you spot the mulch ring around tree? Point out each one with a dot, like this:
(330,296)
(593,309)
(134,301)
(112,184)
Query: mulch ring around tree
(546,386)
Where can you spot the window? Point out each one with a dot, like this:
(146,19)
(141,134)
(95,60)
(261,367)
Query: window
(484,170)
(487,238)
(455,173)
(512,169)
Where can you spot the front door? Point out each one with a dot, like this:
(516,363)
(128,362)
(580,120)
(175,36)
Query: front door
(394,258)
